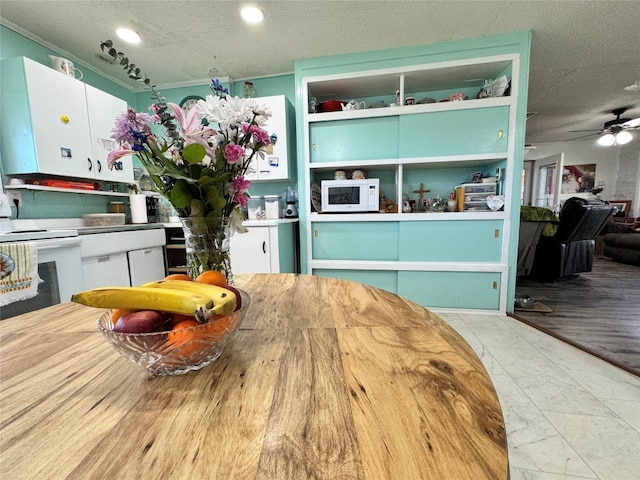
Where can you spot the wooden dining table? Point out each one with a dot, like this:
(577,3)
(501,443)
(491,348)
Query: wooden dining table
(325,379)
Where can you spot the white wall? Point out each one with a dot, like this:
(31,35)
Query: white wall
(618,167)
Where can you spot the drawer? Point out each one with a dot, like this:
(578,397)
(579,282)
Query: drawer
(479,188)
(450,241)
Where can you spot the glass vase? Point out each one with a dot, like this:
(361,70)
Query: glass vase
(207,245)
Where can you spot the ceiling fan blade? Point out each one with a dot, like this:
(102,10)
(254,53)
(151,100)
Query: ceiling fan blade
(583,136)
(634,123)
(590,130)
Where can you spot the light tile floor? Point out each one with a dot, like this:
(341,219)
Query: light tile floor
(568,414)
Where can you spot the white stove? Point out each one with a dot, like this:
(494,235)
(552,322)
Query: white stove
(59,267)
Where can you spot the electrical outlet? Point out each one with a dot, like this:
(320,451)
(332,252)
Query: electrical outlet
(14,195)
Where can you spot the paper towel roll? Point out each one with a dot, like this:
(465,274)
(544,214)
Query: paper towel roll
(138,205)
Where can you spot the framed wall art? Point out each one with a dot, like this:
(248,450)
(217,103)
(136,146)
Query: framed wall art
(623,207)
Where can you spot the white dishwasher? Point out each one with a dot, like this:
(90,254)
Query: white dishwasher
(129,257)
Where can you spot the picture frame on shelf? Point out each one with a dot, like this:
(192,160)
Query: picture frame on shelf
(623,207)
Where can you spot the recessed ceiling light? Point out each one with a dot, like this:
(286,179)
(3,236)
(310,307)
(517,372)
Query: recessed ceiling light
(128,35)
(252,14)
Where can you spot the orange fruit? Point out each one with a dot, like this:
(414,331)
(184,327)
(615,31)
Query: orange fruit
(219,324)
(178,276)
(212,277)
(181,334)
(177,318)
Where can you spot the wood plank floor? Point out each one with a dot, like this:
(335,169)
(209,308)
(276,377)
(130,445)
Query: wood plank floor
(598,311)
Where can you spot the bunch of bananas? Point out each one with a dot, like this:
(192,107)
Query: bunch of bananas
(172,296)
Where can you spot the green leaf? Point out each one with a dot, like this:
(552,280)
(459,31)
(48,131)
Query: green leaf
(181,197)
(197,208)
(193,153)
(205,180)
(214,199)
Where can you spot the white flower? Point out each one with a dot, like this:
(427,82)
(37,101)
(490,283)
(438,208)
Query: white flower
(226,112)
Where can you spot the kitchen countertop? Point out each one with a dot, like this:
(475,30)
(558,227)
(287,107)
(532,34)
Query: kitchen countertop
(249,223)
(325,379)
(77,224)
(118,228)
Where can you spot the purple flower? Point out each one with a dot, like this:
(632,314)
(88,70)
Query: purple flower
(131,127)
(218,89)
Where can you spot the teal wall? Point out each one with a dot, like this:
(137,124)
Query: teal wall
(38,204)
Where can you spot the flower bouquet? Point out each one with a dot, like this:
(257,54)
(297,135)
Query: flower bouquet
(198,164)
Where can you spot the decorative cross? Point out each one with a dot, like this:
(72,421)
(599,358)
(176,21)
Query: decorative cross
(421,191)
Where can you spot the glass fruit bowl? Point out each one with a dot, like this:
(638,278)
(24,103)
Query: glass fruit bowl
(176,352)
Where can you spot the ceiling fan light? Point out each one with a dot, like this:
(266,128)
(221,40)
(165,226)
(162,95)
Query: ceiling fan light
(623,138)
(606,140)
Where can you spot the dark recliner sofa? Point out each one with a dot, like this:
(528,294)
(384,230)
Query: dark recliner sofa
(622,242)
(572,248)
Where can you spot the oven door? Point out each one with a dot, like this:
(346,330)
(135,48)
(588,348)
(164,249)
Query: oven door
(60,269)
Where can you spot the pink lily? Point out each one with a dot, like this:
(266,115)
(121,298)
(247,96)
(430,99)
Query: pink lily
(192,129)
(114,155)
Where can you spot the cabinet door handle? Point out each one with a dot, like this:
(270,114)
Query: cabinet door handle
(89,164)
(99,166)
(264,247)
(104,259)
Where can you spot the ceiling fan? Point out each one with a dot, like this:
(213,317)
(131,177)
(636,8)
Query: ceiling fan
(615,132)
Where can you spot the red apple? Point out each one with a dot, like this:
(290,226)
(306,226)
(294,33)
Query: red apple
(237,294)
(144,321)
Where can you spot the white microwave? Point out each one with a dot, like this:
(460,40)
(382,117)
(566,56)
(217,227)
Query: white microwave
(339,196)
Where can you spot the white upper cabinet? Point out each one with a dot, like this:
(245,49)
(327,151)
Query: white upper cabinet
(102,110)
(54,124)
(277,163)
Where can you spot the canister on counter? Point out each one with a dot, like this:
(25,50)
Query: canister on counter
(272,206)
(116,207)
(255,208)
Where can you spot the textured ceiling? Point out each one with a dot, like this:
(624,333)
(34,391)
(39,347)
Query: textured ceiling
(583,52)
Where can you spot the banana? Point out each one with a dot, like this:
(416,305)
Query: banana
(224,301)
(147,298)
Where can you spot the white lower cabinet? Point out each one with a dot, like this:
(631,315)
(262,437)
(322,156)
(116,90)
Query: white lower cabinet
(251,251)
(122,258)
(268,247)
(146,265)
(106,270)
